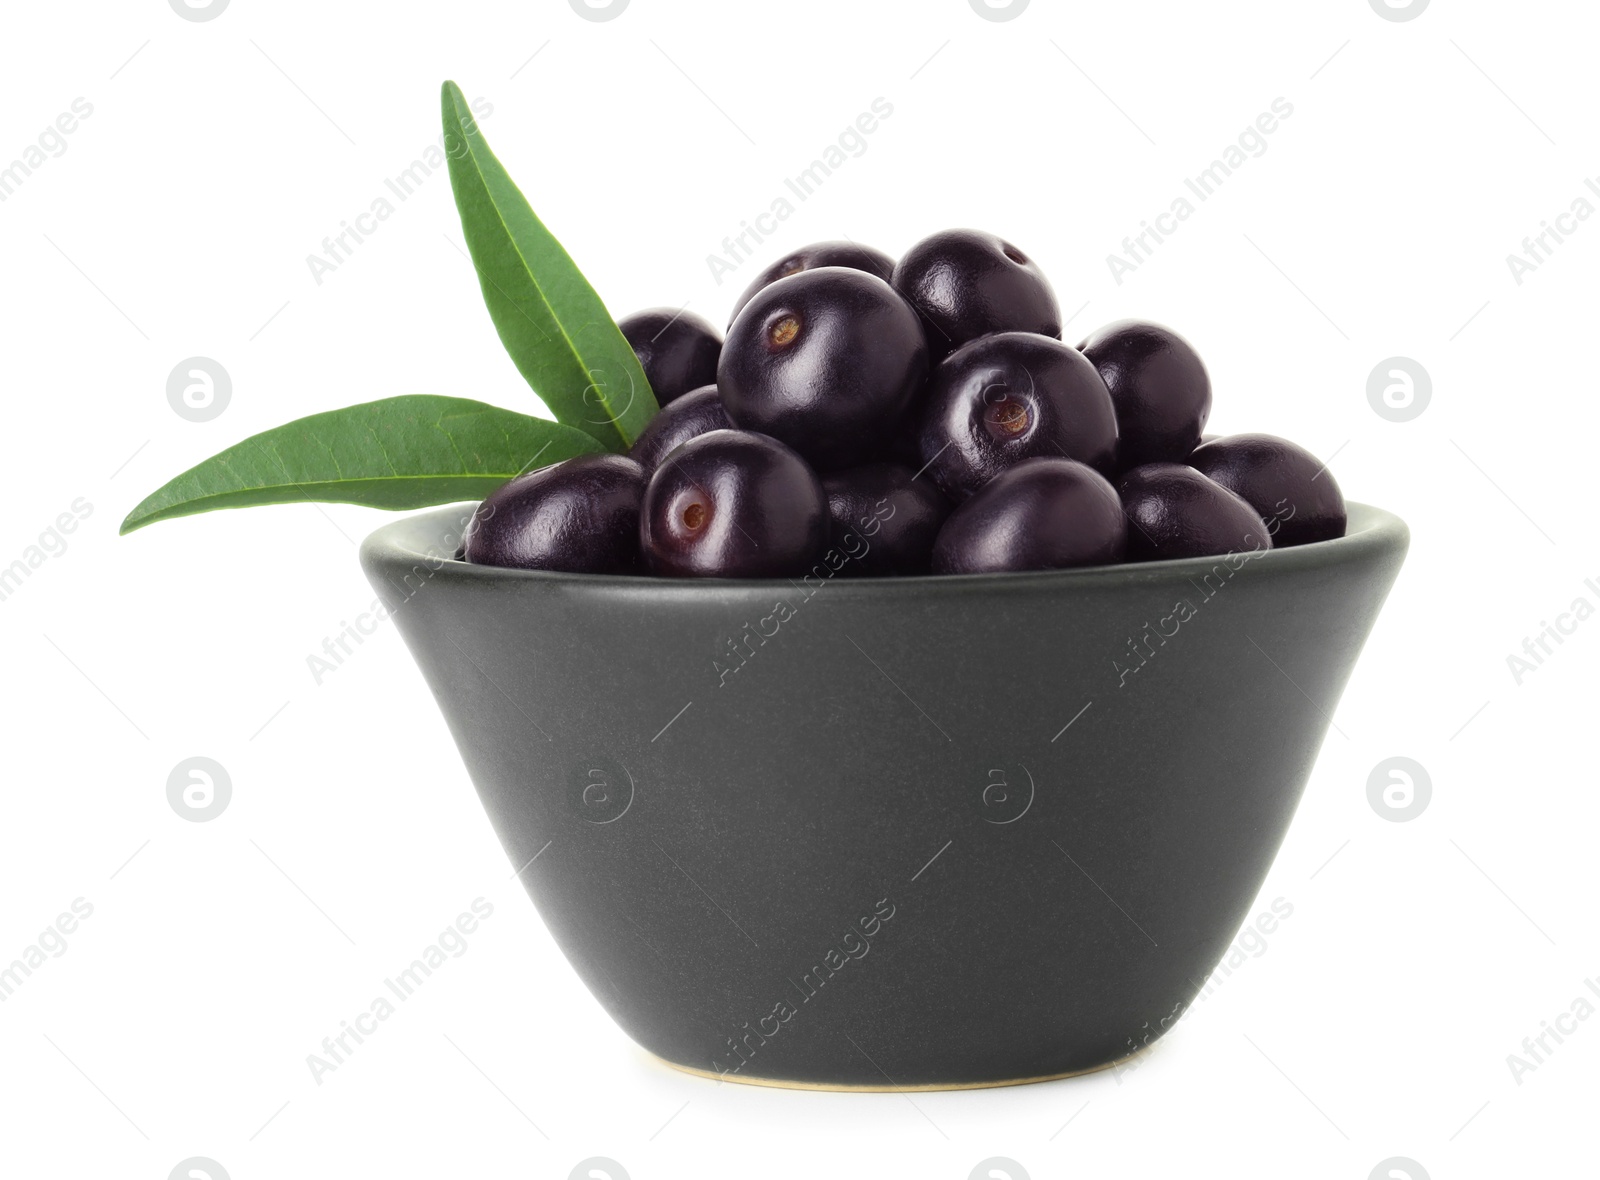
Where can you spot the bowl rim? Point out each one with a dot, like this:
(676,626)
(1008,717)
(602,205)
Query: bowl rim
(416,538)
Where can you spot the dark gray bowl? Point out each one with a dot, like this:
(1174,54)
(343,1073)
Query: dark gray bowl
(931,832)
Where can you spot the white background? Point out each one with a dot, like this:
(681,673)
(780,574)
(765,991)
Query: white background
(220,153)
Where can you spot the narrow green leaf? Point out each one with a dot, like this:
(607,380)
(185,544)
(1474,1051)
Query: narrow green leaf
(401,452)
(555,327)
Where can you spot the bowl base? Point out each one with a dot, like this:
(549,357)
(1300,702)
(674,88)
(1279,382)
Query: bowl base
(890,1088)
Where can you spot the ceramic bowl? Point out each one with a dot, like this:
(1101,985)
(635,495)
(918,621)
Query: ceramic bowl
(894,833)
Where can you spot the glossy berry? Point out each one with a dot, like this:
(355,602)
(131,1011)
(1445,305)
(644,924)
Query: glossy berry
(965,283)
(826,361)
(1040,514)
(677,349)
(1009,397)
(1294,493)
(1159,387)
(695,413)
(1174,511)
(846,254)
(580,516)
(883,519)
(731,504)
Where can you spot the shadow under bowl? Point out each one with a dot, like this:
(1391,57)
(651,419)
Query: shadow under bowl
(892,833)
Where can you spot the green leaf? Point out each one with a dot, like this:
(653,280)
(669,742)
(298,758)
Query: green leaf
(401,452)
(555,327)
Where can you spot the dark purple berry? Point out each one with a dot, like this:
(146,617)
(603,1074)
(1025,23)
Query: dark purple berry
(690,416)
(1009,397)
(826,361)
(966,283)
(1294,493)
(732,504)
(677,349)
(1174,511)
(580,516)
(1040,514)
(900,445)
(884,519)
(1159,387)
(847,254)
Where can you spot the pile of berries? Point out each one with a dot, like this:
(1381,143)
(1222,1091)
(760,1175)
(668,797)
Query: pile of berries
(912,417)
